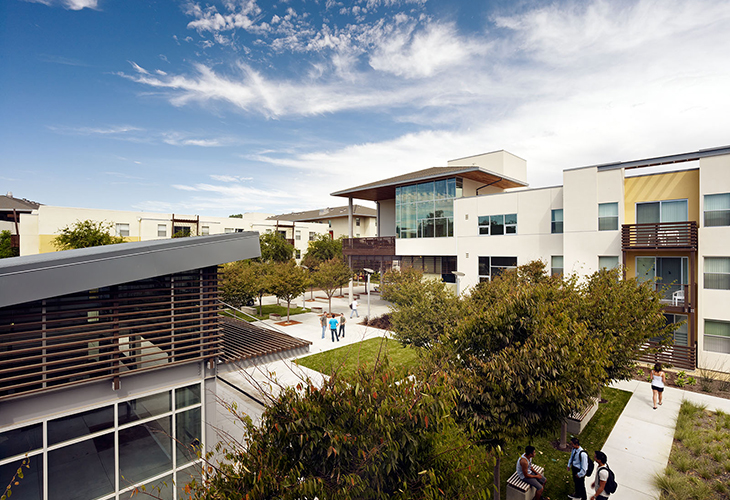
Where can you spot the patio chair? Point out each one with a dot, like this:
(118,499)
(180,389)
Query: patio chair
(678,297)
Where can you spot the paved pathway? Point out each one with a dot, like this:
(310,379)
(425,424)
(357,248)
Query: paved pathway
(639,445)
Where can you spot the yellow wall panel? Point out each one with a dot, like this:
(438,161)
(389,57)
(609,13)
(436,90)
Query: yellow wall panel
(658,187)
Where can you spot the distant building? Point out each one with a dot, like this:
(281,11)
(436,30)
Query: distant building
(477,217)
(364,223)
(10,210)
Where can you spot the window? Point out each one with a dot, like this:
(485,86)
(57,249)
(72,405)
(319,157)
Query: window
(329,224)
(556,221)
(491,267)
(498,224)
(608,262)
(180,231)
(556,265)
(717,210)
(680,334)
(717,336)
(312,236)
(717,273)
(298,235)
(162,230)
(426,210)
(661,211)
(670,272)
(205,230)
(298,253)
(607,216)
(122,229)
(357,221)
(231,230)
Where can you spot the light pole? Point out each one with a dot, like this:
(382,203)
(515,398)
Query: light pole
(367,287)
(458,275)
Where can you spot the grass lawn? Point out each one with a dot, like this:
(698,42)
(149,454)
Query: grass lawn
(593,437)
(699,464)
(268,309)
(348,358)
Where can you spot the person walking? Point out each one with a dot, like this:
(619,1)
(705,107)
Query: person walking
(342,325)
(323,322)
(602,475)
(658,381)
(333,328)
(578,465)
(530,475)
(353,306)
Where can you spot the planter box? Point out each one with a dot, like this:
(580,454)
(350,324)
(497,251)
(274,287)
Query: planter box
(578,421)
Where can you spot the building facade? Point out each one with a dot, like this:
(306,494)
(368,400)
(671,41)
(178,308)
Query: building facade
(477,217)
(364,220)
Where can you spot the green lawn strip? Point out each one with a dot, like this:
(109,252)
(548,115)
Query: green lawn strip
(593,437)
(699,465)
(347,359)
(269,309)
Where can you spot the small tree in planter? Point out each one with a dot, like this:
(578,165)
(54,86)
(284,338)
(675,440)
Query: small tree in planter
(330,275)
(288,281)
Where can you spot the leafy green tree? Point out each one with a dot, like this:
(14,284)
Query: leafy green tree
(331,275)
(241,282)
(321,249)
(236,216)
(288,281)
(372,437)
(274,248)
(86,233)
(398,285)
(6,247)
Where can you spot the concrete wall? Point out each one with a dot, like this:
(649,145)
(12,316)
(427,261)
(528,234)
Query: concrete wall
(499,162)
(387,218)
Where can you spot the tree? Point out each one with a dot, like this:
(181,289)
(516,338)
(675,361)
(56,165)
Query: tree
(330,275)
(86,233)
(274,248)
(287,282)
(6,247)
(398,285)
(321,249)
(372,437)
(241,282)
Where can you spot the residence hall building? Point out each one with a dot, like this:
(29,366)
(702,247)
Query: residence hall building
(364,220)
(109,365)
(39,226)
(476,216)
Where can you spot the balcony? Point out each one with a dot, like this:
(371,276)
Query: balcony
(659,236)
(384,245)
(677,298)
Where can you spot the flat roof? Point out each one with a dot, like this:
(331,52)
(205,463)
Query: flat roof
(42,276)
(325,213)
(661,160)
(385,189)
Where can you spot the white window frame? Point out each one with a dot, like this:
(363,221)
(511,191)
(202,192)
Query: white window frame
(705,211)
(122,229)
(162,230)
(608,217)
(721,274)
(723,338)
(205,230)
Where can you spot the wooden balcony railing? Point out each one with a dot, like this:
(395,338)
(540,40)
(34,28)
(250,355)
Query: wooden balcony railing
(677,356)
(676,298)
(658,236)
(108,333)
(384,245)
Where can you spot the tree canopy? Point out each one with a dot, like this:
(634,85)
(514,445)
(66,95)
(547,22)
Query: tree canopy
(244,280)
(6,247)
(288,281)
(86,233)
(321,249)
(330,275)
(274,248)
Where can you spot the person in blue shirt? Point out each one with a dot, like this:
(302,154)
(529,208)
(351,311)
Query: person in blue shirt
(333,328)
(578,465)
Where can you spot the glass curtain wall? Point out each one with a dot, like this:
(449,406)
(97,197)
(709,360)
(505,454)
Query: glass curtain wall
(426,210)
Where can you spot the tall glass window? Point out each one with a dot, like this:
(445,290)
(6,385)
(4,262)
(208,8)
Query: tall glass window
(426,210)
(717,209)
(717,336)
(661,211)
(607,216)
(717,273)
(556,221)
(556,265)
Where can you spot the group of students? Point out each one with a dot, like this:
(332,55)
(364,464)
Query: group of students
(581,467)
(335,323)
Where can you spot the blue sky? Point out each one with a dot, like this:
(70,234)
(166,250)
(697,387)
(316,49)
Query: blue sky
(250,105)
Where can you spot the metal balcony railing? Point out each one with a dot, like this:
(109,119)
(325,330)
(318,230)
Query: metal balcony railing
(383,245)
(658,236)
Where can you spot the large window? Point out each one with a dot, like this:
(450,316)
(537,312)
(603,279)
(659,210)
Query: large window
(162,230)
(680,334)
(556,221)
(717,273)
(144,441)
(717,336)
(717,209)
(556,265)
(661,211)
(426,210)
(607,216)
(607,261)
(491,267)
(498,224)
(442,265)
(122,229)
(671,272)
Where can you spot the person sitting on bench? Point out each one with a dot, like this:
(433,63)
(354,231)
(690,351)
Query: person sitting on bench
(530,475)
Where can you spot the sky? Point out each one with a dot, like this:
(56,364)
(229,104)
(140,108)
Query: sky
(216,108)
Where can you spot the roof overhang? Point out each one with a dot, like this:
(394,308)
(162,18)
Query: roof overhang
(385,189)
(37,277)
(662,160)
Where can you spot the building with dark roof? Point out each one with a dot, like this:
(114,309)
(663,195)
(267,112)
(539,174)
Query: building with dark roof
(336,218)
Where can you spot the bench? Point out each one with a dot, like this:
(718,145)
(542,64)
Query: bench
(578,420)
(316,309)
(275,317)
(517,489)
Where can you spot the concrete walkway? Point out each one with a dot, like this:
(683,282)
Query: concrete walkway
(639,445)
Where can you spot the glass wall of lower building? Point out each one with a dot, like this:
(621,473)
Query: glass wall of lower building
(108,451)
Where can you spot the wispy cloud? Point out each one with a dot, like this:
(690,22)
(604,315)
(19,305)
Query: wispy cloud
(138,134)
(69,4)
(230,178)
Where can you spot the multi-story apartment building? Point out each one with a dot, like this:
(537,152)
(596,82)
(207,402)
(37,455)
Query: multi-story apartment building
(336,218)
(109,359)
(477,217)
(39,227)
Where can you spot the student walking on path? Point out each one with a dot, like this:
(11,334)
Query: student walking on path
(658,381)
(353,306)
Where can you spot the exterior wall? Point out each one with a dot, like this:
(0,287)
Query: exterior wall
(499,162)
(713,242)
(583,190)
(40,227)
(662,187)
(387,218)
(366,228)
(425,246)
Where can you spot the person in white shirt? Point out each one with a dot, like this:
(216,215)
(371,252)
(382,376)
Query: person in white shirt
(353,306)
(599,484)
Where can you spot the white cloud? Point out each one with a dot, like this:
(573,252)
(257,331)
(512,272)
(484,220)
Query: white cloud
(230,178)
(69,4)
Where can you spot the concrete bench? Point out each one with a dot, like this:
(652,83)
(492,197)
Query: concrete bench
(275,317)
(517,489)
(578,420)
(316,309)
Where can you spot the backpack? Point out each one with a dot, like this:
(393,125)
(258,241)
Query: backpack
(589,470)
(350,305)
(611,483)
